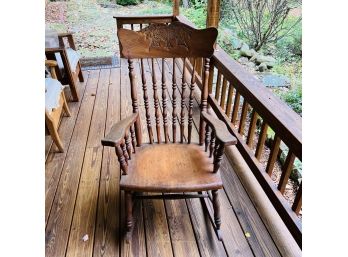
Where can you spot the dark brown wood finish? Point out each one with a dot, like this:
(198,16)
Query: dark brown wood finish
(177,167)
(164,103)
(146,102)
(167,41)
(156,102)
(174,115)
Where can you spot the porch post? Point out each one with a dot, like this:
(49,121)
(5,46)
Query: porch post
(213,13)
(176,5)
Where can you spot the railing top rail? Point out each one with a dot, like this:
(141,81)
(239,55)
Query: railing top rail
(141,19)
(128,16)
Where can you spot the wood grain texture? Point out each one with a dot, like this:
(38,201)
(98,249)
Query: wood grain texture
(167,41)
(55,160)
(107,237)
(178,168)
(86,201)
(58,224)
(260,241)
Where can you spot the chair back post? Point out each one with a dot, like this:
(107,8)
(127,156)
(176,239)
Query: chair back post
(134,96)
(204,99)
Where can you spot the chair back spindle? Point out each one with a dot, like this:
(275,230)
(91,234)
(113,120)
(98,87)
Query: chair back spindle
(146,102)
(174,85)
(156,101)
(164,103)
(182,113)
(192,86)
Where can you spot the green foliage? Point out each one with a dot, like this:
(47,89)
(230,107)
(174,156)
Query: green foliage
(197,13)
(294,99)
(289,48)
(128,2)
(162,7)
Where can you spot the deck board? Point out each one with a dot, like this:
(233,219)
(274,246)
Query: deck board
(82,195)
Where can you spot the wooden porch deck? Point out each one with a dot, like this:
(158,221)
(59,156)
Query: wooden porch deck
(83,197)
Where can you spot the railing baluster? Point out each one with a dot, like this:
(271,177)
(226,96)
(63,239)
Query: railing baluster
(252,127)
(229,100)
(243,117)
(198,65)
(132,26)
(146,102)
(182,118)
(261,141)
(296,207)
(223,93)
(211,78)
(174,101)
(235,108)
(218,86)
(273,155)
(289,162)
(141,26)
(190,111)
(156,102)
(164,103)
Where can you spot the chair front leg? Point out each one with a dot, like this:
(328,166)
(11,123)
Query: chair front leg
(129,214)
(217,215)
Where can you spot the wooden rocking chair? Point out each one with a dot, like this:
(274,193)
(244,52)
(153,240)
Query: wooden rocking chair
(175,167)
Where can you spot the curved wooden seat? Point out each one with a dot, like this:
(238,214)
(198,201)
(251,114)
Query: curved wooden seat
(171,168)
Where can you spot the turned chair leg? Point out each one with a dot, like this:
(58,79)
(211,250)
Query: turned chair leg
(217,215)
(129,214)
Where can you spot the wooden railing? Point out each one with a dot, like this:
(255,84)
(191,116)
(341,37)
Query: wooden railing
(244,104)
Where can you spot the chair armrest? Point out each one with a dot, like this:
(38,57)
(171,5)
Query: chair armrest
(54,50)
(118,131)
(51,63)
(65,34)
(221,131)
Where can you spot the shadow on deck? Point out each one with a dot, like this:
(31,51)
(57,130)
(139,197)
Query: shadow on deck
(83,197)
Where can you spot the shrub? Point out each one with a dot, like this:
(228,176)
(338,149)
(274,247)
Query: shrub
(197,13)
(260,22)
(294,99)
(127,2)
